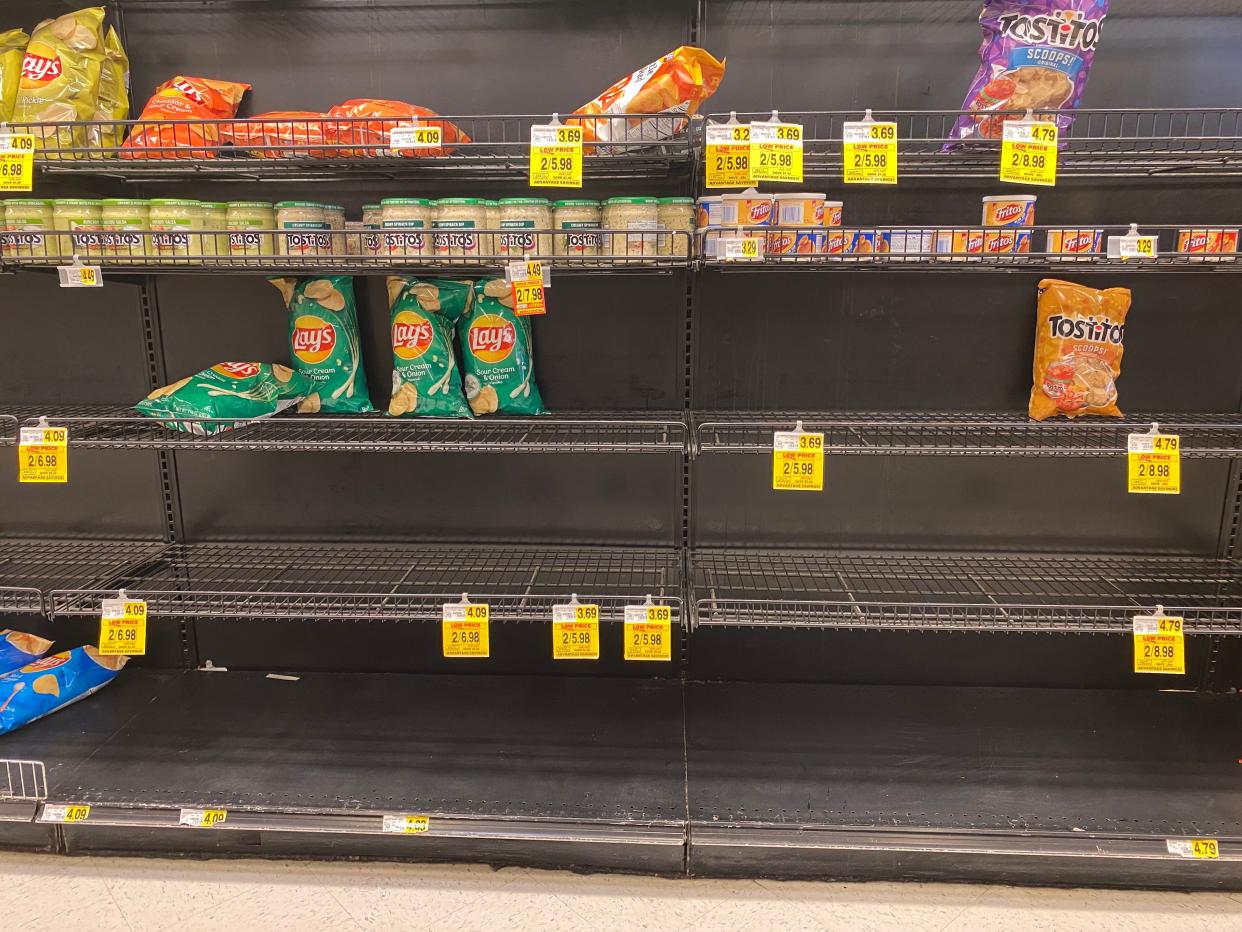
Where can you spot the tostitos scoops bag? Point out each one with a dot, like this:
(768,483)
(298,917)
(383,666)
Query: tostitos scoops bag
(18,649)
(183,98)
(241,391)
(324,344)
(1035,54)
(425,378)
(496,354)
(1079,340)
(44,686)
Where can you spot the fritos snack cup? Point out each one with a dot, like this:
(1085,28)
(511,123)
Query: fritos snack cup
(47,685)
(12,51)
(376,132)
(113,101)
(324,344)
(18,649)
(1074,244)
(1209,245)
(1012,210)
(496,354)
(746,209)
(240,391)
(60,78)
(426,381)
(265,134)
(676,84)
(1079,341)
(184,98)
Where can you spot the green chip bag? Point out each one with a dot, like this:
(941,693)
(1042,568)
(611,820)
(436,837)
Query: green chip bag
(12,50)
(324,343)
(423,312)
(247,391)
(496,354)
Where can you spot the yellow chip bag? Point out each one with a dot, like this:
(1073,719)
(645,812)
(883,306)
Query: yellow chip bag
(113,102)
(1079,340)
(12,48)
(60,77)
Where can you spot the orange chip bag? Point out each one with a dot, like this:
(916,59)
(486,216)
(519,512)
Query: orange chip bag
(279,128)
(183,98)
(1079,340)
(376,132)
(676,83)
(60,78)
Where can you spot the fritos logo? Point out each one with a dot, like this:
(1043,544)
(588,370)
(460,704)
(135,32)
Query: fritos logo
(40,70)
(780,242)
(760,212)
(237,370)
(491,338)
(313,338)
(411,335)
(1007,212)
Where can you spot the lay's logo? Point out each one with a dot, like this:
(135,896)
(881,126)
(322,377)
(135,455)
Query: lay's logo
(491,338)
(189,90)
(237,370)
(313,338)
(39,70)
(411,335)
(47,663)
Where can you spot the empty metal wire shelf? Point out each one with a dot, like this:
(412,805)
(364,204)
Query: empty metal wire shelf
(30,567)
(23,780)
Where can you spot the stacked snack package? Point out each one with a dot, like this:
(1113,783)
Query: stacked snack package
(497,354)
(234,393)
(113,101)
(1036,55)
(280,134)
(184,98)
(387,114)
(12,51)
(60,78)
(51,683)
(324,344)
(18,649)
(425,379)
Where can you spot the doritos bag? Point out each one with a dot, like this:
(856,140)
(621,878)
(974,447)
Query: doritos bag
(12,50)
(60,78)
(113,102)
(235,393)
(496,354)
(324,344)
(425,378)
(183,98)
(299,128)
(18,649)
(388,113)
(45,686)
(675,84)
(1079,340)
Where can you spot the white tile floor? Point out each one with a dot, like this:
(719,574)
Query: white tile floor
(140,895)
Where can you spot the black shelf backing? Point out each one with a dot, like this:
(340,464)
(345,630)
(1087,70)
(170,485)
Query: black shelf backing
(384,582)
(962,591)
(31,567)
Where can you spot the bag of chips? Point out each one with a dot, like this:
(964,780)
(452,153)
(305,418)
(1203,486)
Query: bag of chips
(18,649)
(496,354)
(390,113)
(183,98)
(675,84)
(324,344)
(45,686)
(60,78)
(113,102)
(1036,55)
(12,51)
(236,392)
(422,314)
(1079,339)
(290,128)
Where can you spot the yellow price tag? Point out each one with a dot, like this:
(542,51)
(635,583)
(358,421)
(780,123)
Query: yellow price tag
(1159,644)
(869,153)
(728,155)
(529,297)
(1154,464)
(776,152)
(77,813)
(123,628)
(464,630)
(203,818)
(1135,246)
(1029,152)
(17,163)
(575,632)
(43,454)
(797,461)
(648,632)
(1194,847)
(555,156)
(406,824)
(415,136)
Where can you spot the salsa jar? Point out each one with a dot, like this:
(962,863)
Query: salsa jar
(675,214)
(216,217)
(334,215)
(455,223)
(404,221)
(304,229)
(176,225)
(372,223)
(637,215)
(77,214)
(245,221)
(519,217)
(576,222)
(26,223)
(123,222)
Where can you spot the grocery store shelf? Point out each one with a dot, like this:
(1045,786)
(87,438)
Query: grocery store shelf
(585,766)
(383,582)
(973,433)
(116,427)
(907,590)
(31,567)
(1048,785)
(1099,144)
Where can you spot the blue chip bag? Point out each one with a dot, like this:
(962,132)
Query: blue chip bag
(44,686)
(18,649)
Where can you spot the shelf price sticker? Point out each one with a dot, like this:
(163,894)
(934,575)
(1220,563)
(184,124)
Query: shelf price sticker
(202,818)
(1159,644)
(555,156)
(1132,246)
(869,152)
(65,814)
(1154,463)
(406,824)
(1194,847)
(648,632)
(526,269)
(740,248)
(575,631)
(415,136)
(43,454)
(123,628)
(1029,152)
(529,297)
(464,630)
(16,162)
(728,155)
(798,460)
(776,152)
(80,276)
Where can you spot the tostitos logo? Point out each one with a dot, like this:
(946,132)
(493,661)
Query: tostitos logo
(40,70)
(411,335)
(313,338)
(491,338)
(237,370)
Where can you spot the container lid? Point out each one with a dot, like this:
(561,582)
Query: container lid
(688,201)
(528,201)
(174,202)
(577,202)
(632,200)
(285,204)
(27,202)
(371,206)
(333,207)
(834,203)
(711,197)
(792,196)
(491,203)
(750,194)
(215,205)
(1009,197)
(75,202)
(462,201)
(249,205)
(401,202)
(122,202)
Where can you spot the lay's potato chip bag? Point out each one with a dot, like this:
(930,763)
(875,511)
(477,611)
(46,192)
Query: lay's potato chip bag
(323,341)
(60,78)
(184,98)
(425,378)
(47,685)
(497,355)
(12,51)
(113,102)
(235,393)
(18,649)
